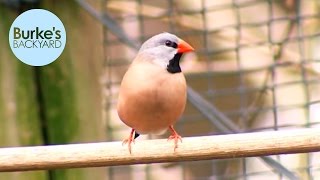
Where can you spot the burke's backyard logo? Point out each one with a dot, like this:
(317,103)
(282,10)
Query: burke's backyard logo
(37,37)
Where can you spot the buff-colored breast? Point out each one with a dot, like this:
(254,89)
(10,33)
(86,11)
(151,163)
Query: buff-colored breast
(151,99)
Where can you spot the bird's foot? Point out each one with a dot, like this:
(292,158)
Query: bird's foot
(174,136)
(129,140)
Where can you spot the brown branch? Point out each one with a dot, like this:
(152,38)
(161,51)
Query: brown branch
(156,151)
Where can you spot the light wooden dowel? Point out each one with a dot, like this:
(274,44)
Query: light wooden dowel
(155,151)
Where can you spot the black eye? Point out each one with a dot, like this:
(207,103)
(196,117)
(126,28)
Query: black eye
(171,44)
(168,43)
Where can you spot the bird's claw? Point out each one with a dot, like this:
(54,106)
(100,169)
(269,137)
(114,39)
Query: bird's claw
(129,140)
(176,137)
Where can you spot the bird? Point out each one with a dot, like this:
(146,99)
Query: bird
(153,91)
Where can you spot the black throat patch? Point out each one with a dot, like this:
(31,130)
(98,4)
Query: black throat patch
(174,64)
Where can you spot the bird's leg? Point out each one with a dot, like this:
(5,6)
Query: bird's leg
(175,136)
(130,139)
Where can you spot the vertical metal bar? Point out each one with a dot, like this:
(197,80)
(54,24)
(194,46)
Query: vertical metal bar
(108,86)
(273,73)
(203,13)
(206,45)
(243,97)
(303,62)
(273,69)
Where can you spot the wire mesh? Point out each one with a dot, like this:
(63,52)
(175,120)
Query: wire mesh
(256,61)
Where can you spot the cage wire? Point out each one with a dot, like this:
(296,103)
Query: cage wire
(256,62)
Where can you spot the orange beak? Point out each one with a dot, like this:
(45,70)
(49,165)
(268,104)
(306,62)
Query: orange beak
(184,46)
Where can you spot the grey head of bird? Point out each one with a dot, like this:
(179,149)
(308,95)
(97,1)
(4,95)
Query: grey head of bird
(165,50)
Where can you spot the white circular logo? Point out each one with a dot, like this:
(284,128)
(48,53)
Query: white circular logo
(37,37)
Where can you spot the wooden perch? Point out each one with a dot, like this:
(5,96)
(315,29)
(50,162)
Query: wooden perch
(156,151)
